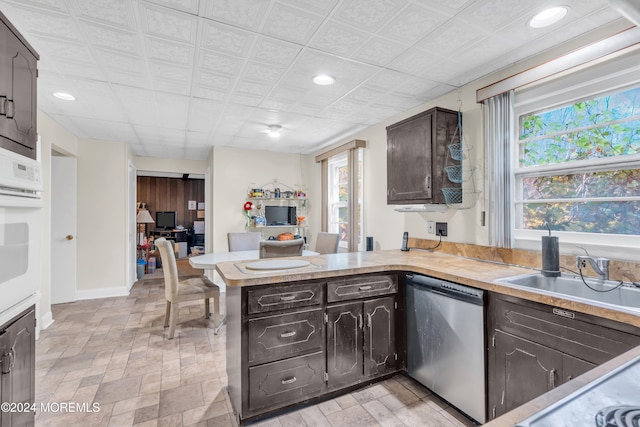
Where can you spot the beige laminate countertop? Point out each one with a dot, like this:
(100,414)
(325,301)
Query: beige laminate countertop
(466,271)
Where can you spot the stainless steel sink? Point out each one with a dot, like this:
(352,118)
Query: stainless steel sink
(626,296)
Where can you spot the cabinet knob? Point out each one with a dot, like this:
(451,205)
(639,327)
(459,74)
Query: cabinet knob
(69,237)
(3,105)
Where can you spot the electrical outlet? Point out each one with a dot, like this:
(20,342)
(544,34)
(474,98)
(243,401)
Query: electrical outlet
(431,227)
(441,229)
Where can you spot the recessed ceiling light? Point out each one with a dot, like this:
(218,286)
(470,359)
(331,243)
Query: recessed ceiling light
(324,80)
(548,17)
(64,96)
(274,131)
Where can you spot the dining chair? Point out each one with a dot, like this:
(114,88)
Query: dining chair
(327,243)
(280,248)
(188,289)
(246,241)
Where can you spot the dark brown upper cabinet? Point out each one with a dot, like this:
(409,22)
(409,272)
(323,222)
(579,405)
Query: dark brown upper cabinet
(417,153)
(18,74)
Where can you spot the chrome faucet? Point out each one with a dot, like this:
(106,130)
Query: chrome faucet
(599,265)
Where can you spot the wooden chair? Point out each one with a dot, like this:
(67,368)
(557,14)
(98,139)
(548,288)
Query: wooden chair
(327,243)
(188,289)
(278,248)
(247,241)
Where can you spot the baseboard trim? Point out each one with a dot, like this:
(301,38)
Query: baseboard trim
(101,293)
(46,320)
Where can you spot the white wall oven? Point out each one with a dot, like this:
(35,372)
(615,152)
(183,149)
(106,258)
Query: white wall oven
(20,217)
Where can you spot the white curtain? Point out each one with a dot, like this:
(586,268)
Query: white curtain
(498,125)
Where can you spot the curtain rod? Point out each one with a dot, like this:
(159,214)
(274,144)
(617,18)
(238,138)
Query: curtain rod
(615,44)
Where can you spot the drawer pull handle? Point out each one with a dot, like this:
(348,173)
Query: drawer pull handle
(288,298)
(365,288)
(289,380)
(288,334)
(552,378)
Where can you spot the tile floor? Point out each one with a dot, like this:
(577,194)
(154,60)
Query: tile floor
(111,353)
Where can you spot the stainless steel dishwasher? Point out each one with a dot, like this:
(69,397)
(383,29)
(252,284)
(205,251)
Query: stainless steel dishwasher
(445,341)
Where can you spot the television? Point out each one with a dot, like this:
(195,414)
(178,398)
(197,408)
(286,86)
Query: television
(280,215)
(166,220)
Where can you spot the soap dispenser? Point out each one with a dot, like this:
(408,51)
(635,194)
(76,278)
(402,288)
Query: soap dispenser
(550,255)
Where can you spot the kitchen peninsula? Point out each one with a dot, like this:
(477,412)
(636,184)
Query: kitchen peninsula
(315,305)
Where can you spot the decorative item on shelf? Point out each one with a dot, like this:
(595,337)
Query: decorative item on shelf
(267,194)
(276,193)
(301,195)
(302,220)
(260,221)
(248,207)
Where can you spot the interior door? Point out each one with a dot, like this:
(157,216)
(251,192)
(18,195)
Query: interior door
(132,251)
(63,228)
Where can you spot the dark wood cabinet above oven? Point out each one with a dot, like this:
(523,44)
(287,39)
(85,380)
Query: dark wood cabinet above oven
(417,153)
(18,108)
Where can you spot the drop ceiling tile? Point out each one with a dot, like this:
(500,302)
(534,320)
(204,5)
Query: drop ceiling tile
(128,79)
(413,62)
(61,49)
(188,6)
(75,69)
(172,86)
(379,51)
(248,100)
(225,39)
(110,12)
(198,140)
(166,23)
(494,14)
(41,22)
(450,6)
(91,87)
(369,15)
(170,72)
(416,87)
(387,80)
(53,5)
(453,37)
(219,63)
(112,38)
(240,13)
(291,24)
(321,7)
(197,152)
(443,71)
(215,81)
(276,52)
(106,130)
(210,94)
(111,60)
(413,23)
(264,73)
(339,39)
(204,115)
(364,95)
(287,94)
(273,104)
(252,88)
(164,50)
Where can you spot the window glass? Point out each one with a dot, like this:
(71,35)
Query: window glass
(578,167)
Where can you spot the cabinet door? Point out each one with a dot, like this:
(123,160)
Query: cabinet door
(18,96)
(17,383)
(522,371)
(344,344)
(379,336)
(409,160)
(573,367)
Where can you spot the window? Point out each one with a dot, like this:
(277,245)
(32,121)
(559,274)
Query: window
(343,194)
(577,159)
(578,166)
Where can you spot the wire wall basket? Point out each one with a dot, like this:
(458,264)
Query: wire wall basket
(458,174)
(458,199)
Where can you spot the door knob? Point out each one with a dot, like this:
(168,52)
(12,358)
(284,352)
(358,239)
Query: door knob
(69,237)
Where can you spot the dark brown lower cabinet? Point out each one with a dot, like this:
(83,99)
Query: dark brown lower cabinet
(290,343)
(17,367)
(360,341)
(536,347)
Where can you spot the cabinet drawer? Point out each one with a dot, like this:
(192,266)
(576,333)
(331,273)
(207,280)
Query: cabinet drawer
(271,298)
(361,287)
(275,337)
(287,381)
(580,335)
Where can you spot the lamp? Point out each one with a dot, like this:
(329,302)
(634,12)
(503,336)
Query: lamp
(274,131)
(143,217)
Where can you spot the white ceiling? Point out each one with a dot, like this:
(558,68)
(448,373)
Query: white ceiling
(174,77)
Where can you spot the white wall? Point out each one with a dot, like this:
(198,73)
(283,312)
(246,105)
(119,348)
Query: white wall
(234,171)
(52,136)
(156,164)
(102,218)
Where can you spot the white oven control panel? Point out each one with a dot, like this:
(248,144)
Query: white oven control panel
(19,175)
